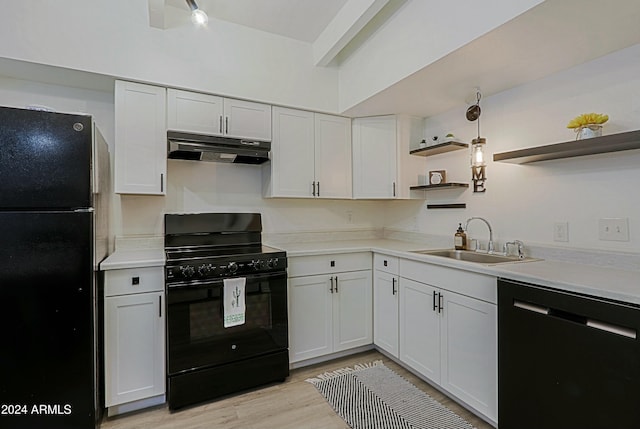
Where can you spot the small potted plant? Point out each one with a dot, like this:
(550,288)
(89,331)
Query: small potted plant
(588,125)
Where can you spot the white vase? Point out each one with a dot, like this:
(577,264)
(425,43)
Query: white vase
(588,131)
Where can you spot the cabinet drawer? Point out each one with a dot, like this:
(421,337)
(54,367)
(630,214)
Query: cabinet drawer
(335,263)
(133,280)
(385,263)
(480,286)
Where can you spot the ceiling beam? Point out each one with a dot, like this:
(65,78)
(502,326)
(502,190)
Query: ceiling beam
(353,16)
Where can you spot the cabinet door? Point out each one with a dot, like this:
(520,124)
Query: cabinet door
(134,347)
(292,159)
(352,310)
(194,112)
(469,351)
(310,317)
(247,120)
(374,157)
(333,156)
(420,328)
(385,312)
(141,139)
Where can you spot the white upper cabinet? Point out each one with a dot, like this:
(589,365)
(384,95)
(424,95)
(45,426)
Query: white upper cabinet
(332,156)
(247,120)
(209,114)
(310,156)
(382,166)
(291,170)
(141,139)
(194,112)
(374,156)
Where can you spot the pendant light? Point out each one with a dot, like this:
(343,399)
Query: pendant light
(478,164)
(198,16)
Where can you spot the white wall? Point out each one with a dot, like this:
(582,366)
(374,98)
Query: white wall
(218,187)
(114,38)
(524,201)
(418,34)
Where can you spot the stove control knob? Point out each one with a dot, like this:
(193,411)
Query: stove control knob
(232,267)
(275,262)
(270,263)
(187,271)
(255,264)
(204,269)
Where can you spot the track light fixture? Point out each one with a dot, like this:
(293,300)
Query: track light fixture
(198,16)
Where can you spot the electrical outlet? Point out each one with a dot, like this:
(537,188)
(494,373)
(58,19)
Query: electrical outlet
(561,231)
(349,217)
(613,229)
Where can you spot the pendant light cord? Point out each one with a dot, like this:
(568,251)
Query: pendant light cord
(478,97)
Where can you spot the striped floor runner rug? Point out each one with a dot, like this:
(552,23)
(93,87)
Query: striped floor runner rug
(371,396)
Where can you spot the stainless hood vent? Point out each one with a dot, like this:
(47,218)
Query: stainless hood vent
(198,147)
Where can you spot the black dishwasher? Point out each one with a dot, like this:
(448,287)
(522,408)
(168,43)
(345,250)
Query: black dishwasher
(566,360)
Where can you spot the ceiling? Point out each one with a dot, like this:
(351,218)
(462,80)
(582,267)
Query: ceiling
(565,33)
(302,20)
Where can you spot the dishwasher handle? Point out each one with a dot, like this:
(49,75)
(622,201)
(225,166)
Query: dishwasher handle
(576,318)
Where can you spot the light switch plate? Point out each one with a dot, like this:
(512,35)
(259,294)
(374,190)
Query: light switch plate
(613,229)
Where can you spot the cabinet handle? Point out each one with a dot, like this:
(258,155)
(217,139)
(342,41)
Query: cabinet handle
(161,182)
(394,189)
(331,289)
(336,284)
(314,189)
(226,125)
(434,301)
(220,125)
(440,299)
(318,188)
(393,286)
(160,306)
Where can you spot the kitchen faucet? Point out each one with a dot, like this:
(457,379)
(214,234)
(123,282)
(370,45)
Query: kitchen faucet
(490,245)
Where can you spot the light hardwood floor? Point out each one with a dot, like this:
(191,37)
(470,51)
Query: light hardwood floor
(293,404)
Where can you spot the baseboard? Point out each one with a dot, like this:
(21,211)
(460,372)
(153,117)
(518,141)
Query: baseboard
(135,405)
(332,356)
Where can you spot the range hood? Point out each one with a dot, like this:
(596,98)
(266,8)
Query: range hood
(199,147)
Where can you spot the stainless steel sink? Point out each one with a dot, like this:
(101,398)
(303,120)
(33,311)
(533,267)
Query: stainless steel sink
(469,256)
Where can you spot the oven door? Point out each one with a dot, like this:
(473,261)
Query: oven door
(196,336)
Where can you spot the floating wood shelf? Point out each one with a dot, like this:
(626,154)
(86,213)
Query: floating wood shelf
(453,185)
(605,144)
(439,148)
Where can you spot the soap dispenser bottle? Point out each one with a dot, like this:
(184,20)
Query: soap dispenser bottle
(460,238)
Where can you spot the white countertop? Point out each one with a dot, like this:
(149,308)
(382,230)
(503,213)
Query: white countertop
(611,283)
(133,258)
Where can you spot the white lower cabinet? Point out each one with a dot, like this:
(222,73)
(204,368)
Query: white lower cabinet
(419,329)
(311,317)
(329,312)
(448,337)
(134,337)
(385,303)
(468,346)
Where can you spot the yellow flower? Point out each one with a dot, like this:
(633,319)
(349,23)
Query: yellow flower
(587,119)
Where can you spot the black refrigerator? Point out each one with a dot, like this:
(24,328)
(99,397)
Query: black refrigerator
(54,193)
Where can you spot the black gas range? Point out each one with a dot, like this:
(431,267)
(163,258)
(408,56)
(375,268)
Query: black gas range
(208,255)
